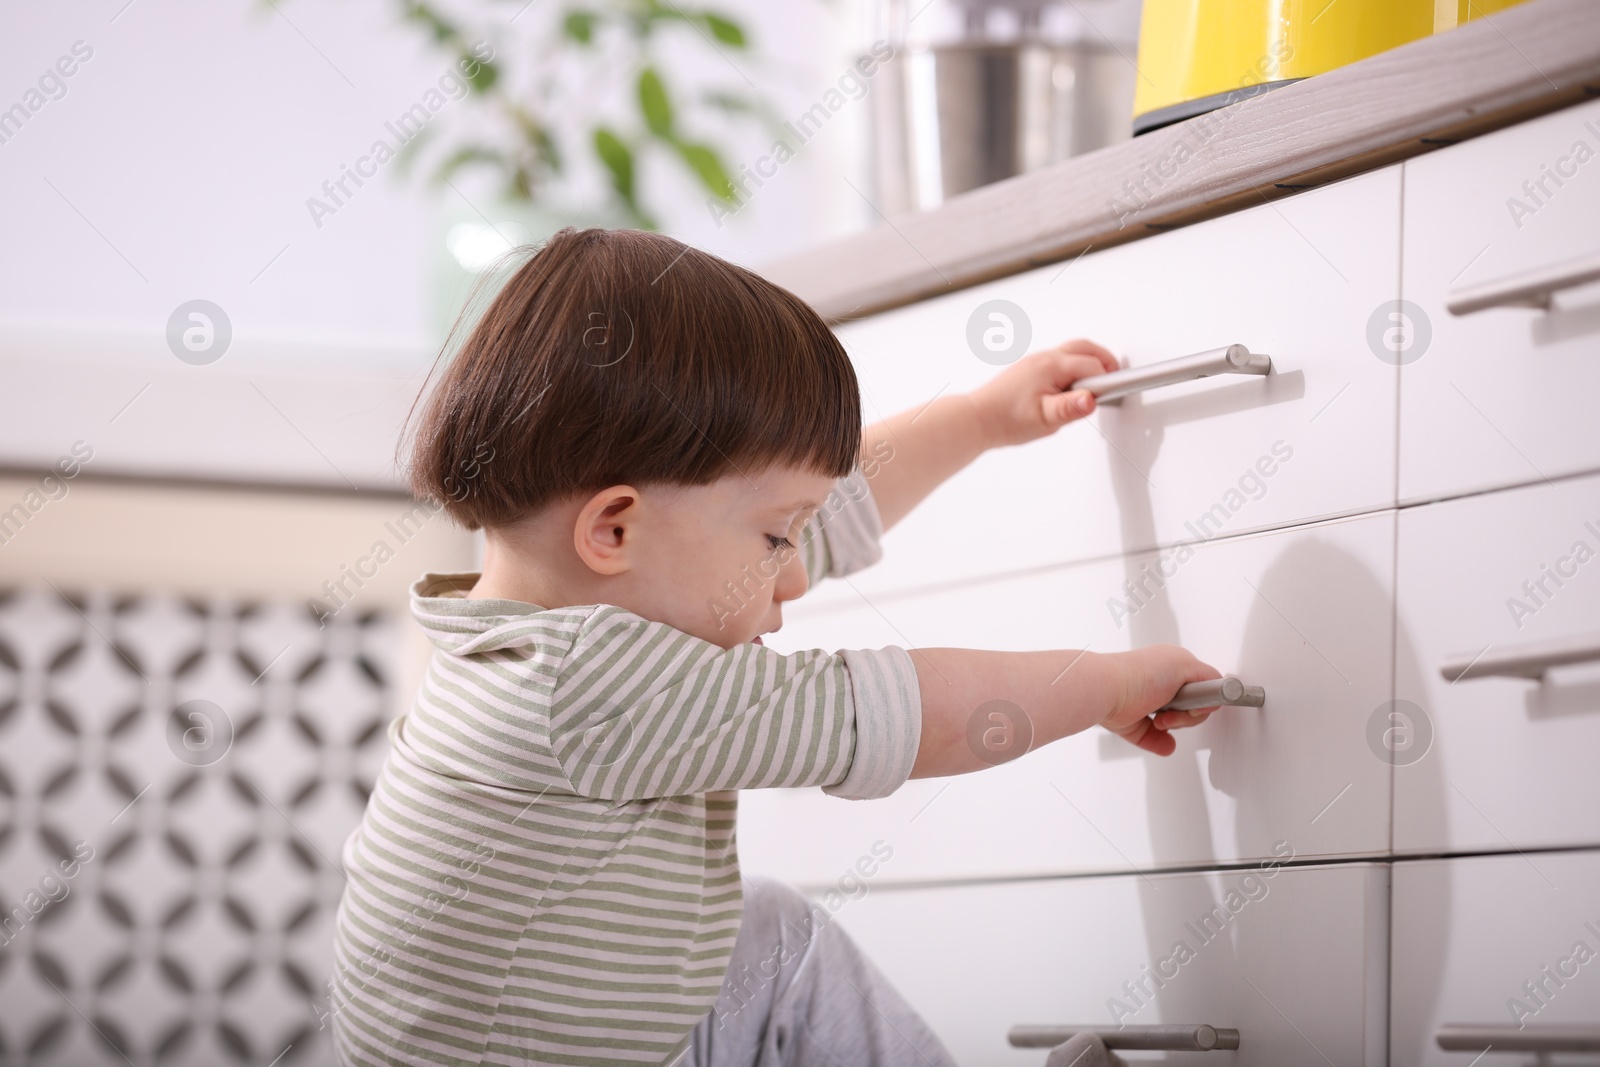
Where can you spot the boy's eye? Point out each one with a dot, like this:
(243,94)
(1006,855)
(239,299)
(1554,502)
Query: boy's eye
(779,542)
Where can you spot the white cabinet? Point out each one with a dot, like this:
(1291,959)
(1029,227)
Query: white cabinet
(1509,941)
(1502,396)
(1295,959)
(1337,532)
(1512,759)
(1306,613)
(1297,279)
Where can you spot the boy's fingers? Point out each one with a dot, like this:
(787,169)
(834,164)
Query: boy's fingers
(1084,346)
(1177,720)
(1069,367)
(1149,737)
(1158,741)
(1073,405)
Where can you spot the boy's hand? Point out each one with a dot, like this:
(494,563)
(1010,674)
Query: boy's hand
(1150,677)
(1026,400)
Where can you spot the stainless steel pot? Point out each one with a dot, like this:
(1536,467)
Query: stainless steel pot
(951,117)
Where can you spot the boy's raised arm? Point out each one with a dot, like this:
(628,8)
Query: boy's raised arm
(842,537)
(1028,400)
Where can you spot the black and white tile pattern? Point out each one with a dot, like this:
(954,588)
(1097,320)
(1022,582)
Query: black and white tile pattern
(177,779)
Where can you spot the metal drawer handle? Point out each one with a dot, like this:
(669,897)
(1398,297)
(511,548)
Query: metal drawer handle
(1230,359)
(1523,661)
(1532,1037)
(1174,1037)
(1530,290)
(1228,692)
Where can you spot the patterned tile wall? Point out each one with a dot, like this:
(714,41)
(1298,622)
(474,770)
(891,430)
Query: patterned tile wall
(177,779)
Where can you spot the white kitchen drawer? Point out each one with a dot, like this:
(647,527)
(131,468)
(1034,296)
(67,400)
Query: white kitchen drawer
(1512,760)
(1471,934)
(1501,396)
(1305,613)
(1296,279)
(1295,959)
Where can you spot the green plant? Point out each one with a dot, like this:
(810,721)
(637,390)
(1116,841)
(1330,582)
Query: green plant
(524,149)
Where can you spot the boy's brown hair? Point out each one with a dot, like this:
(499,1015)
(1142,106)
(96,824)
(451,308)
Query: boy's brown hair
(625,356)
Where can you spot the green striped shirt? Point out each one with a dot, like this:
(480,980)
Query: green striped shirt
(547,870)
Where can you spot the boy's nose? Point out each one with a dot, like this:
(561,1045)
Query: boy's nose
(792,580)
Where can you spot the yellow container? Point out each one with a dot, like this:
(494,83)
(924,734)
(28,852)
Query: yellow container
(1448,13)
(1198,55)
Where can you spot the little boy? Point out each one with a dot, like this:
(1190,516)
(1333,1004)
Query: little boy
(662,450)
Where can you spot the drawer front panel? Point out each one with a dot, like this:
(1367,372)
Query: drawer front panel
(1296,279)
(1304,613)
(1506,395)
(1507,941)
(1295,959)
(1511,759)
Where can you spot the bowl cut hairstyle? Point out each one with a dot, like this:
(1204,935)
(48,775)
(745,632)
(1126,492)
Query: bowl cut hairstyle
(625,356)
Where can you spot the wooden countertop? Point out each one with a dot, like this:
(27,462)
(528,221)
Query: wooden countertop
(1492,72)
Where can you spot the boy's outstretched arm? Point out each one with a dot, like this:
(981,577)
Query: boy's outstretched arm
(1027,400)
(1057,692)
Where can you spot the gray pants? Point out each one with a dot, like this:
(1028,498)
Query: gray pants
(799,993)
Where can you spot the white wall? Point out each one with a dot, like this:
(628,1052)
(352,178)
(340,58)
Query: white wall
(194,135)
(178,165)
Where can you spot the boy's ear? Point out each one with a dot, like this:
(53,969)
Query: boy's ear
(606,529)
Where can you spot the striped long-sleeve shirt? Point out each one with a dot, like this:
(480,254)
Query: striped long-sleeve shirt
(547,871)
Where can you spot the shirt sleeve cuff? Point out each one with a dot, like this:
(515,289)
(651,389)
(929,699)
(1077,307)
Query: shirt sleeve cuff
(851,525)
(887,705)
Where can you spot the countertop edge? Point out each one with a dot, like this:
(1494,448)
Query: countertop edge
(1490,73)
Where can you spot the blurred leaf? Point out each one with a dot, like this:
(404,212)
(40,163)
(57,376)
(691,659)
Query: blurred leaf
(739,104)
(727,101)
(549,149)
(542,147)
(521,185)
(653,102)
(466,155)
(481,74)
(643,17)
(442,31)
(725,30)
(579,25)
(707,165)
(618,159)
